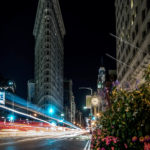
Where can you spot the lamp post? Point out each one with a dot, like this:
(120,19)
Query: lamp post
(87,88)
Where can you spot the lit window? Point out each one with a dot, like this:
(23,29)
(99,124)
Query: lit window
(131,4)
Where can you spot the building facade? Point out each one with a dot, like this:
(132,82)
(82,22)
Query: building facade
(31,91)
(49,33)
(133,44)
(101,88)
(69,101)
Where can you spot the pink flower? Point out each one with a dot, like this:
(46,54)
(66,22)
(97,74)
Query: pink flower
(98,149)
(125,145)
(115,140)
(98,132)
(146,146)
(92,146)
(107,142)
(103,140)
(134,139)
(147,138)
(112,148)
(102,148)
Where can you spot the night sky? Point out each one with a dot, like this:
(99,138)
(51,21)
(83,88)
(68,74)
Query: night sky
(88,24)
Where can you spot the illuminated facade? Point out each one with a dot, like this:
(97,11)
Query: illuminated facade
(49,33)
(100,87)
(132,26)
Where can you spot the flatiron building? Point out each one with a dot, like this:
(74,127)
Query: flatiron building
(49,33)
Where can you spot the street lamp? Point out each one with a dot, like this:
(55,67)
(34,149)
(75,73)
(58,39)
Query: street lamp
(51,110)
(84,107)
(62,115)
(87,88)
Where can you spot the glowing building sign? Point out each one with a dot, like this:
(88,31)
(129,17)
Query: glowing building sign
(2,97)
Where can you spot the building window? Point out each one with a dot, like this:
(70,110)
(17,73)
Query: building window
(47,45)
(137,45)
(148,5)
(47,39)
(136,28)
(46,79)
(47,32)
(136,10)
(144,54)
(47,73)
(134,52)
(148,26)
(47,53)
(131,4)
(133,36)
(143,15)
(143,34)
(47,66)
(148,47)
(48,5)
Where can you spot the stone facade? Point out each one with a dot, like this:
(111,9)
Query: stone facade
(133,48)
(49,33)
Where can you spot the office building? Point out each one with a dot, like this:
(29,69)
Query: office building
(133,47)
(49,33)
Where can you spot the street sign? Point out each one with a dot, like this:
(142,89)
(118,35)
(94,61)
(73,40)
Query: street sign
(2,97)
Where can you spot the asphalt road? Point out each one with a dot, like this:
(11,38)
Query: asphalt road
(79,142)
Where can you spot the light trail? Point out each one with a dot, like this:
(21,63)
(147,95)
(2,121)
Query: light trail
(32,107)
(59,137)
(24,114)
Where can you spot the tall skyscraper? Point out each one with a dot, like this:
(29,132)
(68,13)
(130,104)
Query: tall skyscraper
(49,33)
(133,28)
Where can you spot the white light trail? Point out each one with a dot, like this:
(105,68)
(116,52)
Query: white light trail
(59,136)
(39,113)
(24,114)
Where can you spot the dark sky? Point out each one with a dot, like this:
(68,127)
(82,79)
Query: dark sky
(88,24)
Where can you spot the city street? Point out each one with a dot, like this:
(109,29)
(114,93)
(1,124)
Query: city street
(79,142)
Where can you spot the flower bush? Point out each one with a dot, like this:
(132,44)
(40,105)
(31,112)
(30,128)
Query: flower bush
(127,120)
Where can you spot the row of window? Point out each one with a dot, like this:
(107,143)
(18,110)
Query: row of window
(131,58)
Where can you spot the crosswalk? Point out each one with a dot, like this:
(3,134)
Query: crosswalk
(79,138)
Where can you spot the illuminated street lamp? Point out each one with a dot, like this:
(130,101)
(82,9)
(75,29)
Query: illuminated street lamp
(62,115)
(11,118)
(84,107)
(51,110)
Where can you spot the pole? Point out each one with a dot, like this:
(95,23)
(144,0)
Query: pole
(13,109)
(88,88)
